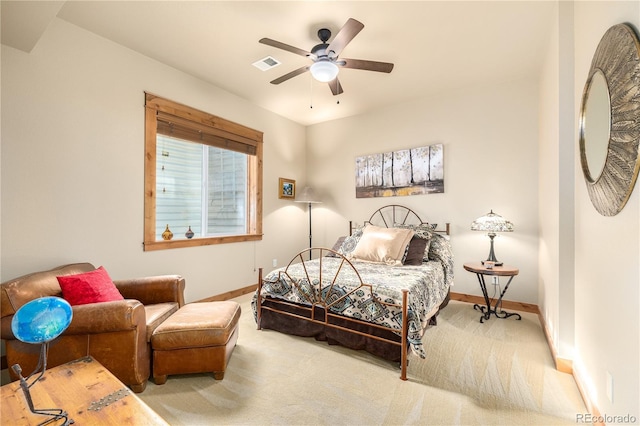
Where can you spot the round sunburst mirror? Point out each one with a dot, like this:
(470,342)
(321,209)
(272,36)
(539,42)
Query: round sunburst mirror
(610,121)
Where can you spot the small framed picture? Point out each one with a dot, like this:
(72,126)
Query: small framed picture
(286,188)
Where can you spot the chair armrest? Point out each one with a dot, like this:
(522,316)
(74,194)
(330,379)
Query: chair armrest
(94,318)
(105,317)
(152,290)
(5,328)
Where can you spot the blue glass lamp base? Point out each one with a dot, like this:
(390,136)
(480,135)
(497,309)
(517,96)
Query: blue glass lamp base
(55,414)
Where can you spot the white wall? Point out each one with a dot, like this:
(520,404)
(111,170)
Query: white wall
(73,157)
(556,176)
(548,176)
(607,282)
(490,162)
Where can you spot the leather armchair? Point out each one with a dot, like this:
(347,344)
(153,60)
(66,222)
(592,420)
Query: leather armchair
(117,334)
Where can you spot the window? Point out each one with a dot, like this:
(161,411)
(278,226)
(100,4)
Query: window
(202,173)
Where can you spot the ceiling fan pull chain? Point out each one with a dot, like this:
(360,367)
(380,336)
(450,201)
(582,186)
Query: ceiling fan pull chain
(311,93)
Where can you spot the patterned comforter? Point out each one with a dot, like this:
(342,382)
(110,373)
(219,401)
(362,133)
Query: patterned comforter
(428,285)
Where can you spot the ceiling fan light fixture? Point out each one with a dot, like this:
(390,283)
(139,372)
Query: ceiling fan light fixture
(324,71)
(325,64)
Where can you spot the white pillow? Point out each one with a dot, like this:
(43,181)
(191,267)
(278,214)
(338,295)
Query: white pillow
(382,245)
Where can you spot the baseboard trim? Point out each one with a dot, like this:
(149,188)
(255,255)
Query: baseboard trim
(231,294)
(588,402)
(562,364)
(506,304)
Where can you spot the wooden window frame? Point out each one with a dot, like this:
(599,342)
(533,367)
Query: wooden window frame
(221,133)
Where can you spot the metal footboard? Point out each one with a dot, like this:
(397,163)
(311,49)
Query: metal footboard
(320,299)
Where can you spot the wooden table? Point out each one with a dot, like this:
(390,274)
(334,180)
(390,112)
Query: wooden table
(87,391)
(501,271)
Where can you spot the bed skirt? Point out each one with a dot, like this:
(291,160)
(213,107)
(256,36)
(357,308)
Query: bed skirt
(273,320)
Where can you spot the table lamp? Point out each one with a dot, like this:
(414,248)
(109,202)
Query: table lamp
(39,322)
(308,195)
(492,223)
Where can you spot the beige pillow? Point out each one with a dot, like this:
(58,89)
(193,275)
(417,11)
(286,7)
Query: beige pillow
(382,245)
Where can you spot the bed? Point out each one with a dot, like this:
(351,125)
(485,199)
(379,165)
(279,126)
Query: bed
(378,289)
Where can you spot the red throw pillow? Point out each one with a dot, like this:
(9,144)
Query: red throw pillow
(89,287)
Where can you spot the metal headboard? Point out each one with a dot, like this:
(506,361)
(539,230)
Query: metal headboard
(393,214)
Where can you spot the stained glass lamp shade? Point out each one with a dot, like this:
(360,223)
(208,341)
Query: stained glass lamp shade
(492,223)
(39,322)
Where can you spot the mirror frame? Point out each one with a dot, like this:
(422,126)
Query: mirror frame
(617,57)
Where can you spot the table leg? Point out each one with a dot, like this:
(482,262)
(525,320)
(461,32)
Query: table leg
(504,313)
(488,310)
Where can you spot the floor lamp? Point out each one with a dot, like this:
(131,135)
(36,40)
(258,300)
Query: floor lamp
(308,195)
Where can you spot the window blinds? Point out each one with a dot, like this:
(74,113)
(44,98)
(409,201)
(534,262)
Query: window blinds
(180,128)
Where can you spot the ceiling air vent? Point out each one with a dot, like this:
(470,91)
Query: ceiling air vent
(266,63)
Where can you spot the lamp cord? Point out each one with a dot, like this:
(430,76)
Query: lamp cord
(496,288)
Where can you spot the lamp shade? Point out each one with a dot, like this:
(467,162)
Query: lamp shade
(307,195)
(324,71)
(41,320)
(492,222)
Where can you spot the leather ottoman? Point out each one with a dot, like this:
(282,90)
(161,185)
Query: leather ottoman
(198,338)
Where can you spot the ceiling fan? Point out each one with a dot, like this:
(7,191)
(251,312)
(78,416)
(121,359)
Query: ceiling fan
(326,64)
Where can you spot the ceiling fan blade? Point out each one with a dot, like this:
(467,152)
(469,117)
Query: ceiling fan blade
(335,86)
(288,48)
(350,29)
(361,64)
(291,74)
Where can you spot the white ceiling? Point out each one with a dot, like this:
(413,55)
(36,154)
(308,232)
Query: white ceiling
(436,46)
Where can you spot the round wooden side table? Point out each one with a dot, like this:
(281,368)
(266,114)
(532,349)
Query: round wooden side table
(502,271)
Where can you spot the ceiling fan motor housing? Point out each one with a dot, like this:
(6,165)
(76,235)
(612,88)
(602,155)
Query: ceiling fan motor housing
(324,34)
(320,50)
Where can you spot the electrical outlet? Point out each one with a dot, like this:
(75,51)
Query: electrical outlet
(275,262)
(610,387)
(495,280)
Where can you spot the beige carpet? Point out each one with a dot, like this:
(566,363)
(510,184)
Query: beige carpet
(496,373)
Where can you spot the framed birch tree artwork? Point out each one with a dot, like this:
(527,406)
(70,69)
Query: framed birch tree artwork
(413,171)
